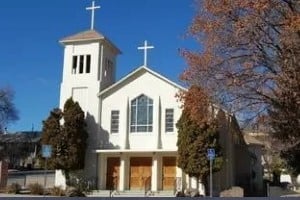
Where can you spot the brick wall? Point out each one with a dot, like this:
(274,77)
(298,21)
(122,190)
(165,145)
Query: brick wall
(3,174)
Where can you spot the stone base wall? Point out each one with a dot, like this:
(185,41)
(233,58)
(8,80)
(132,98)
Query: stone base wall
(233,192)
(25,178)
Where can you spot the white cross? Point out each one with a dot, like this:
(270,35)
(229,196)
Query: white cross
(93,8)
(145,47)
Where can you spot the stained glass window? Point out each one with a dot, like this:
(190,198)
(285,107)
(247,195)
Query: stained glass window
(141,114)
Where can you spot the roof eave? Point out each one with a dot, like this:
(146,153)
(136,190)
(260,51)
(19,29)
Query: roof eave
(118,151)
(79,40)
(66,41)
(136,71)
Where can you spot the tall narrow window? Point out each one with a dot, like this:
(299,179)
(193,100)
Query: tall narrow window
(108,67)
(169,120)
(74,64)
(114,126)
(88,64)
(81,64)
(141,114)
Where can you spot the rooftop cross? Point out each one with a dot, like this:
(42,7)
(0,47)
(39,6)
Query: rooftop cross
(93,8)
(145,48)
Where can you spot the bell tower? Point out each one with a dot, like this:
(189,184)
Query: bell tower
(89,66)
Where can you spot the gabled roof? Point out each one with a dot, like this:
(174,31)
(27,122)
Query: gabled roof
(88,35)
(137,71)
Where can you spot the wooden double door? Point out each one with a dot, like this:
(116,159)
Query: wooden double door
(168,173)
(140,172)
(112,173)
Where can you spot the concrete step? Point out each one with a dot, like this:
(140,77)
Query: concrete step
(130,193)
(164,193)
(100,193)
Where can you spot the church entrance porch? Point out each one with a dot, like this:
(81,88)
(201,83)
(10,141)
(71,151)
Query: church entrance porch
(137,171)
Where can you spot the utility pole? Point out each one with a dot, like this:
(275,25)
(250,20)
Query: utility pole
(46,153)
(211,156)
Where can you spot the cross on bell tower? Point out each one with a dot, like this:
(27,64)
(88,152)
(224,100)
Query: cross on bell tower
(93,8)
(145,48)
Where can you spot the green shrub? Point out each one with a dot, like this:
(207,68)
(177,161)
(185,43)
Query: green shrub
(14,188)
(74,192)
(36,189)
(57,191)
(78,180)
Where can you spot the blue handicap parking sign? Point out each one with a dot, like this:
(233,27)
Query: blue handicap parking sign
(46,151)
(211,153)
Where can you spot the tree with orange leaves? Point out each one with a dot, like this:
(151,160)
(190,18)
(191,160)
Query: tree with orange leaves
(197,132)
(249,60)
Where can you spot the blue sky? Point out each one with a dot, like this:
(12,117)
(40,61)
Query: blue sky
(31,58)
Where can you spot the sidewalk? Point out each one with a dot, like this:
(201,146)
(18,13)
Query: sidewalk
(19,195)
(23,195)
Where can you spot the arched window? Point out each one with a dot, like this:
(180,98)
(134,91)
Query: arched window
(141,118)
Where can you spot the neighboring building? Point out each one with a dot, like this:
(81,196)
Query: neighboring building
(131,122)
(20,149)
(256,147)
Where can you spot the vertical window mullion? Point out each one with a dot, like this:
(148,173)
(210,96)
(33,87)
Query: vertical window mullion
(81,64)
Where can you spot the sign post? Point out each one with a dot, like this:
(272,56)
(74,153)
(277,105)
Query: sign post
(46,153)
(211,156)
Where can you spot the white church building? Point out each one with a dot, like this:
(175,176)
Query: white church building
(131,121)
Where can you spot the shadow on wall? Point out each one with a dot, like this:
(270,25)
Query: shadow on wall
(98,137)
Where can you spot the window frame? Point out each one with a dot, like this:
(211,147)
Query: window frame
(114,121)
(88,63)
(74,64)
(169,115)
(136,115)
(81,64)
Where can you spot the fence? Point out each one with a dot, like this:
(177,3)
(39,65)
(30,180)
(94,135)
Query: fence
(25,178)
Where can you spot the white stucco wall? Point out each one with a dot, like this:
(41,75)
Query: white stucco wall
(84,87)
(88,81)
(163,95)
(60,180)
